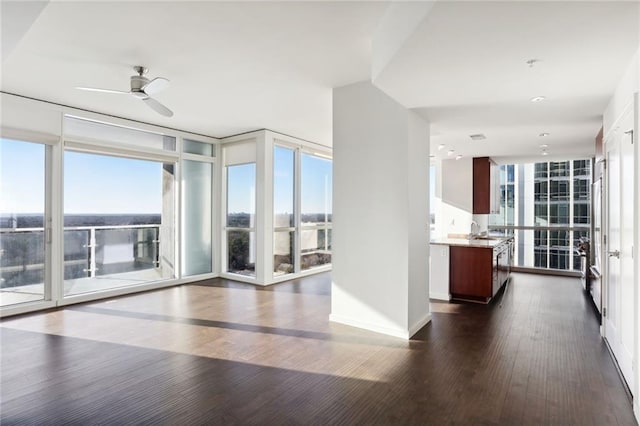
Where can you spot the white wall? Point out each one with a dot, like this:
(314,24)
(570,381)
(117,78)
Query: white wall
(636,244)
(380,213)
(626,95)
(398,23)
(419,221)
(454,215)
(623,96)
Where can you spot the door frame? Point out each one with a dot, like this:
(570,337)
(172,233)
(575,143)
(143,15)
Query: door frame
(617,132)
(52,202)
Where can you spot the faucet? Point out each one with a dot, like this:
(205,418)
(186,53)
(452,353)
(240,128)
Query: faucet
(471,233)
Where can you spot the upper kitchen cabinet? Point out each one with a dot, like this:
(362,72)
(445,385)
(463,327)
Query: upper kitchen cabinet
(486,186)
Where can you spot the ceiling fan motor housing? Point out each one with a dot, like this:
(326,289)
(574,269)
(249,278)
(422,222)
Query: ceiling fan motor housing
(137,83)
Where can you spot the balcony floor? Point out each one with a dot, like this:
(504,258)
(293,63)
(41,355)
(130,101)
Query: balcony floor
(35,292)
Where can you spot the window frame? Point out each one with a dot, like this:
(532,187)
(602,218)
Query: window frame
(225,229)
(214,196)
(296,254)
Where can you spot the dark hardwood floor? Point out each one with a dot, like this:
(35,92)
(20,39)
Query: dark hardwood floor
(220,352)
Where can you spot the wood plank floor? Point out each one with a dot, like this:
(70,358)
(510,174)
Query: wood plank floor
(219,352)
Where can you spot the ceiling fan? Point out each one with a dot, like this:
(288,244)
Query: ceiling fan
(142,88)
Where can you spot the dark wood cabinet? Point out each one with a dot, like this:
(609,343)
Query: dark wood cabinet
(486,186)
(478,273)
(471,273)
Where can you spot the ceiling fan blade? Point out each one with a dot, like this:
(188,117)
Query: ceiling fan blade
(95,89)
(156,85)
(158,107)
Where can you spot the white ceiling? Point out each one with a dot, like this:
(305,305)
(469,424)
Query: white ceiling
(241,66)
(233,67)
(464,68)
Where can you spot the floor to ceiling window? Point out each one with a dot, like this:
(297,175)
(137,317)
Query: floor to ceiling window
(315,211)
(114,214)
(240,218)
(284,218)
(546,206)
(22,222)
(94,206)
(119,207)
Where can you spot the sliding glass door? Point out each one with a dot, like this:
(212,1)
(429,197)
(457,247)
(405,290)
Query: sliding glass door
(118,222)
(23,215)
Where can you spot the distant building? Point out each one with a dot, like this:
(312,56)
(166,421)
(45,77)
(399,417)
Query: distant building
(546,194)
(8,221)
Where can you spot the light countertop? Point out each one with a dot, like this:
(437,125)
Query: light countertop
(464,242)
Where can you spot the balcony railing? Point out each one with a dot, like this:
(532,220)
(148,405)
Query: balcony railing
(89,251)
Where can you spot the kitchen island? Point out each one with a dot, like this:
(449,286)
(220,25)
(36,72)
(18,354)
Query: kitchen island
(472,269)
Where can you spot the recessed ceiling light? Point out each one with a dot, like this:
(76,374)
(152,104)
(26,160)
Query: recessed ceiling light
(532,62)
(545,153)
(440,147)
(478,137)
(458,157)
(543,135)
(543,146)
(450,152)
(538,99)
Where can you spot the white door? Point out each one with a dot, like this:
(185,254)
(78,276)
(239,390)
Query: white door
(619,292)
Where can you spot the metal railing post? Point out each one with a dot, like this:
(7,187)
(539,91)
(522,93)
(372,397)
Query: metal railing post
(92,252)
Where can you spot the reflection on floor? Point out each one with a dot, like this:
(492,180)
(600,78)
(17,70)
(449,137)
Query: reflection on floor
(34,292)
(225,352)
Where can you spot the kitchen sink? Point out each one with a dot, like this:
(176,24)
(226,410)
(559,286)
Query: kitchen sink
(485,237)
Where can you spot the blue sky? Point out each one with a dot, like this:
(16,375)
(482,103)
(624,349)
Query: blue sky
(316,176)
(283,161)
(94,184)
(98,184)
(241,184)
(21,177)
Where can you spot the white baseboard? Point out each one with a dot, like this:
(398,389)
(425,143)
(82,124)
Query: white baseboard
(395,332)
(426,319)
(440,296)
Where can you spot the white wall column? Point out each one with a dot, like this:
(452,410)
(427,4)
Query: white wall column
(380,278)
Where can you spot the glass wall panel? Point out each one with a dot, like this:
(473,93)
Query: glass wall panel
(241,195)
(283,253)
(316,191)
(559,169)
(316,248)
(554,194)
(241,210)
(197,194)
(241,252)
(316,211)
(199,148)
(119,222)
(283,187)
(541,171)
(76,253)
(22,215)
